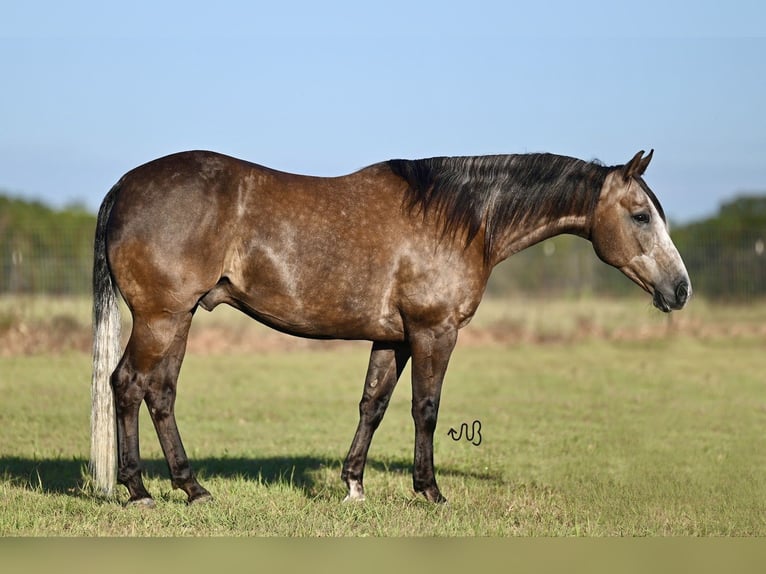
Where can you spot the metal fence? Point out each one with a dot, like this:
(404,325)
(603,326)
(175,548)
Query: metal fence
(37,272)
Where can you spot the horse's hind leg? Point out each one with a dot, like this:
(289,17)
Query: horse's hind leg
(386,364)
(148,371)
(130,382)
(129,388)
(160,399)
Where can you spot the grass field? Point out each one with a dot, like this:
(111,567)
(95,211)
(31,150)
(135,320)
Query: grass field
(597,420)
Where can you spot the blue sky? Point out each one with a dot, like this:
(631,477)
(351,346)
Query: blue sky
(89,91)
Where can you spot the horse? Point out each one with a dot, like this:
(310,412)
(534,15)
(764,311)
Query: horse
(397,253)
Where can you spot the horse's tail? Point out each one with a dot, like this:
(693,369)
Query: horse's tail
(106,354)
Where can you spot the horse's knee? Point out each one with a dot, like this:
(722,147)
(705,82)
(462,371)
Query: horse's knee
(426,413)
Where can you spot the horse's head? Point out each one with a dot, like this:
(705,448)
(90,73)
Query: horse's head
(629,232)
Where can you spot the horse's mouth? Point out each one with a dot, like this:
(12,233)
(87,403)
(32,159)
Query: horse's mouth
(677,300)
(660,302)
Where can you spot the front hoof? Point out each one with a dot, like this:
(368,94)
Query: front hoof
(202,498)
(146,502)
(355,498)
(433,495)
(355,491)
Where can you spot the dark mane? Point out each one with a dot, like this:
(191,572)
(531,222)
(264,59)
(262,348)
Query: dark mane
(653,198)
(500,191)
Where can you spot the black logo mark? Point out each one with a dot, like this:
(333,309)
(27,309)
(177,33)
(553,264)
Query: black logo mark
(474,437)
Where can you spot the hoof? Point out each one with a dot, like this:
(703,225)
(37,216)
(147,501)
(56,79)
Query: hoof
(147,502)
(433,495)
(355,492)
(203,498)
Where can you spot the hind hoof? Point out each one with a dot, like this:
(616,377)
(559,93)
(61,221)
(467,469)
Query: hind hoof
(141,503)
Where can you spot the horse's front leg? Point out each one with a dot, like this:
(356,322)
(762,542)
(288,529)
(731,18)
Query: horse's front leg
(431,351)
(387,360)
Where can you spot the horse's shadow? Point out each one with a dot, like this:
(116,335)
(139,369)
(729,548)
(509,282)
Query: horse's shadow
(67,476)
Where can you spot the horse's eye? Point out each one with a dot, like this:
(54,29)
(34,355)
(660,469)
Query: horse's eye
(641,218)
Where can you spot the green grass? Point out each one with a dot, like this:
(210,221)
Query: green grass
(583,438)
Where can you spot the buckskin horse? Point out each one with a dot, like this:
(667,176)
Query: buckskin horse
(398,253)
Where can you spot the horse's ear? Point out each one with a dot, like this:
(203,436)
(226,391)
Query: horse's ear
(637,166)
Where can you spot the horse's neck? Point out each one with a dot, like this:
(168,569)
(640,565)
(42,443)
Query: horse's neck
(526,234)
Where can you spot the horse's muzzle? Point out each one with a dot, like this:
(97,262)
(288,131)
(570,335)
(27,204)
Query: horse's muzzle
(680,297)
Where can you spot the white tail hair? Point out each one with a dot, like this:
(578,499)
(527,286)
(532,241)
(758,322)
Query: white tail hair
(106,355)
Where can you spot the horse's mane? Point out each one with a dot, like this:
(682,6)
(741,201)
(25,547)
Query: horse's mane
(500,191)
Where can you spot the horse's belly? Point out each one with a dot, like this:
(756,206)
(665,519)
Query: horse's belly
(314,288)
(324,319)
(330,308)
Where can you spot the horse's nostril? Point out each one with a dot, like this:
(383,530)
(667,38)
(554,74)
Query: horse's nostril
(682,292)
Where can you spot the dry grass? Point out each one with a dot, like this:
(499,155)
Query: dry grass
(39,325)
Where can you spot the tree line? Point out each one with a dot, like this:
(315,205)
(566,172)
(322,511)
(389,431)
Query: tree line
(50,251)
(43,250)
